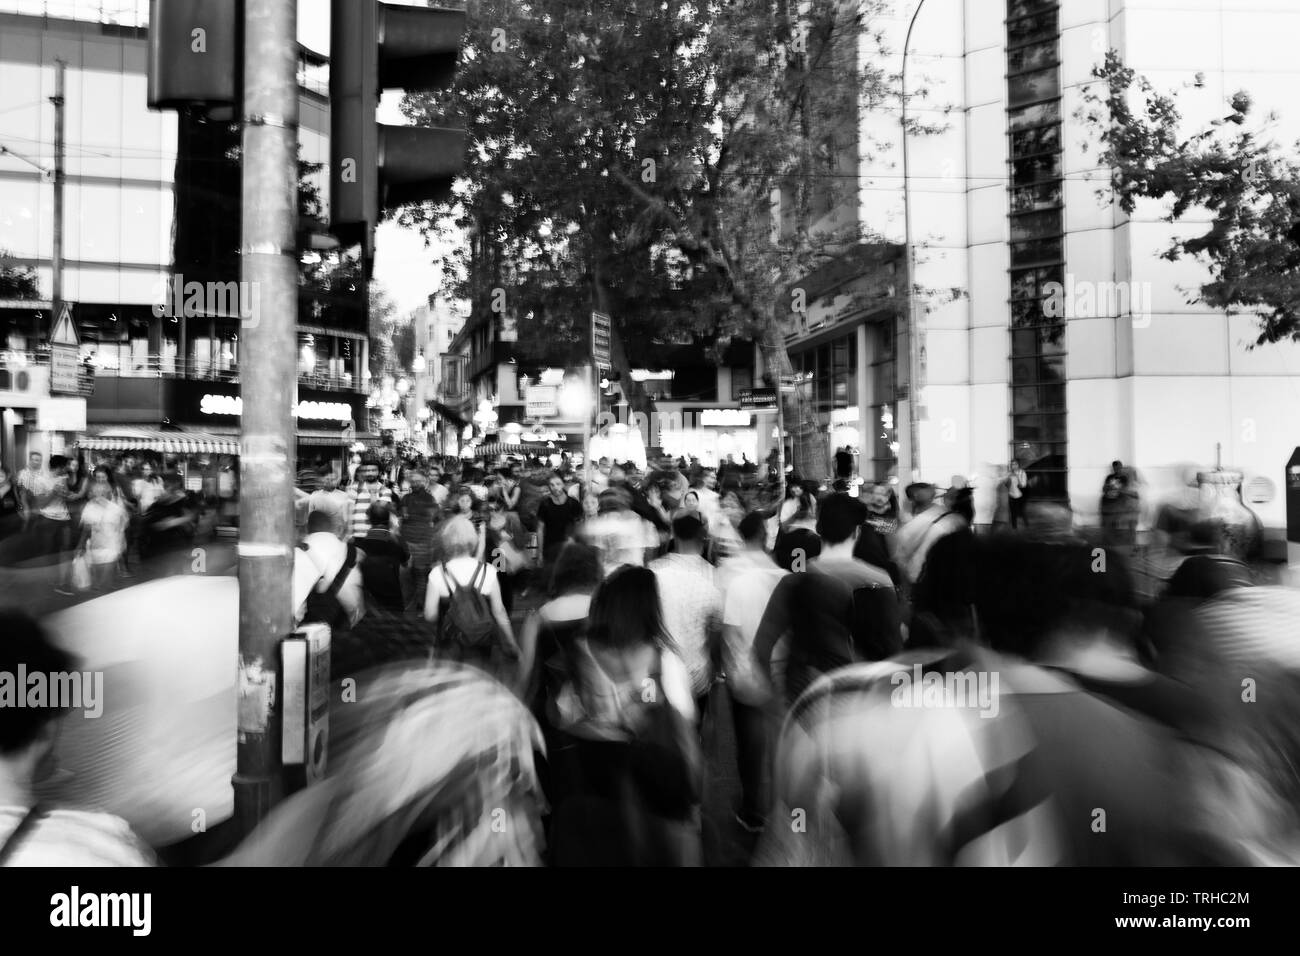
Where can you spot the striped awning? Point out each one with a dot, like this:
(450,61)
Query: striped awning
(164,442)
(325,438)
(494,448)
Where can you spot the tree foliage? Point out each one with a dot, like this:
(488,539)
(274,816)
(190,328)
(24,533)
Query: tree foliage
(17,282)
(624,156)
(1250,189)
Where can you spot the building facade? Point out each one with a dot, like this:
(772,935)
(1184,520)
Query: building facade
(150,239)
(1003,203)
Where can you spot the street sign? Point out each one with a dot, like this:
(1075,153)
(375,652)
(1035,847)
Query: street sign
(600,340)
(64,355)
(541,401)
(61,415)
(758,399)
(64,331)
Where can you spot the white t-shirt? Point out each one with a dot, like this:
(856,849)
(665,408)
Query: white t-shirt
(748,581)
(318,566)
(461,570)
(107,521)
(74,838)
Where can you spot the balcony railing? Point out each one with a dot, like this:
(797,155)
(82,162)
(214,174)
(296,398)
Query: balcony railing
(159,366)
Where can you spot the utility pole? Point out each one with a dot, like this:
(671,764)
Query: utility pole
(268,264)
(915,371)
(60,147)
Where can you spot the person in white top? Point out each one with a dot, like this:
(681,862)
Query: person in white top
(692,610)
(103,530)
(747,581)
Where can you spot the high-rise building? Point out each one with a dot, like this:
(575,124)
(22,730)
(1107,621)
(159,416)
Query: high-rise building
(1002,196)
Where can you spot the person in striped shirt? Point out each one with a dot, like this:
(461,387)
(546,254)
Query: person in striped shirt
(368,490)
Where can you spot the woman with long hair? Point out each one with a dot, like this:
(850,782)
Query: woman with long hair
(549,634)
(627,762)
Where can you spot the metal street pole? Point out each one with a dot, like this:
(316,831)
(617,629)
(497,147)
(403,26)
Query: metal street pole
(913,334)
(59,149)
(586,431)
(268,380)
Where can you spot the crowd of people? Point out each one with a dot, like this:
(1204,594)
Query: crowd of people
(903,689)
(92,524)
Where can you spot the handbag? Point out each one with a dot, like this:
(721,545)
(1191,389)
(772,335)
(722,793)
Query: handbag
(81,572)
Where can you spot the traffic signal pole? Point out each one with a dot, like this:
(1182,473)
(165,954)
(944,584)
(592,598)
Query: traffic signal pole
(268,381)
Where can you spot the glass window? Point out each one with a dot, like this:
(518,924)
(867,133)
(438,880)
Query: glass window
(1038,250)
(742,377)
(1020,8)
(1024,284)
(1031,370)
(1038,139)
(1031,28)
(1048,340)
(1034,198)
(1032,57)
(1035,169)
(1038,225)
(1031,87)
(1039,114)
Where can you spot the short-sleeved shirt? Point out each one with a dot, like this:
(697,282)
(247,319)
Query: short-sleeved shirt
(557,521)
(621,537)
(74,838)
(461,570)
(362,498)
(692,608)
(381,569)
(107,521)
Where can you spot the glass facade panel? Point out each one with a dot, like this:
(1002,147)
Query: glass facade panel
(1037,340)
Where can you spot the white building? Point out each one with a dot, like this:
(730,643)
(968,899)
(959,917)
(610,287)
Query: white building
(1003,201)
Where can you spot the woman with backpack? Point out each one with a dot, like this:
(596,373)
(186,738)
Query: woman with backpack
(463,603)
(626,761)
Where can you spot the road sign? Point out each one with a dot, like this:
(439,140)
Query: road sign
(64,331)
(758,399)
(600,340)
(63,370)
(64,354)
(541,401)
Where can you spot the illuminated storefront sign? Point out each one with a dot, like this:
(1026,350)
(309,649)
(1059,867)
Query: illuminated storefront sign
(312,411)
(725,418)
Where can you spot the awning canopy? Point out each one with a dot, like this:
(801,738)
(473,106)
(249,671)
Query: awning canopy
(494,448)
(325,438)
(164,442)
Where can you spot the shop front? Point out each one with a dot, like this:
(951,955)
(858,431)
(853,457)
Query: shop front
(712,434)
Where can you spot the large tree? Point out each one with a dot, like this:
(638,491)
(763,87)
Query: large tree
(624,156)
(1240,175)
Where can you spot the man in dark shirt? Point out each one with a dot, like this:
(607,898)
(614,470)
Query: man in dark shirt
(815,608)
(557,516)
(419,510)
(384,557)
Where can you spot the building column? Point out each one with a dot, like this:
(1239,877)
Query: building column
(865,383)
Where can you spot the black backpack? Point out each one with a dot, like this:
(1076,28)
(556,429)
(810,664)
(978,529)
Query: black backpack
(468,620)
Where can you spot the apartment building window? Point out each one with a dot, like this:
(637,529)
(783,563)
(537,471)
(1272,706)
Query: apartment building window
(1037,351)
(742,377)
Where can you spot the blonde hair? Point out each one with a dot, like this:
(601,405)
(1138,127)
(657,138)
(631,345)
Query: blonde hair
(459,537)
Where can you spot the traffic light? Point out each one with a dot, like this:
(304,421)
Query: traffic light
(195,53)
(375,47)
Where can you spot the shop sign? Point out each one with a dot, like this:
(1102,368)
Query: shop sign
(725,418)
